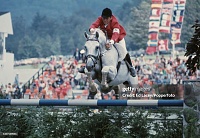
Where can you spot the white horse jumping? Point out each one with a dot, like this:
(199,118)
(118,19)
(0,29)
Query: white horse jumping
(101,65)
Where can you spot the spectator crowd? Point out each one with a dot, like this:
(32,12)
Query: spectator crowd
(163,70)
(61,79)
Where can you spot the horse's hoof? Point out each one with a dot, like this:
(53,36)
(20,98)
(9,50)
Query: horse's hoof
(104,86)
(92,89)
(93,93)
(117,96)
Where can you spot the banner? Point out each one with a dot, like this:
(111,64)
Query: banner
(166,14)
(152,43)
(156,6)
(176,38)
(177,21)
(156,12)
(151,49)
(156,1)
(154,23)
(153,36)
(153,30)
(163,45)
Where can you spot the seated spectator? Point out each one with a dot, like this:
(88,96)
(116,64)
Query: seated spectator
(157,80)
(42,85)
(64,89)
(166,80)
(17,93)
(50,90)
(58,91)
(59,80)
(43,94)
(9,91)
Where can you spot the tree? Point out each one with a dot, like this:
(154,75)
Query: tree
(55,46)
(193,49)
(47,46)
(19,30)
(137,27)
(26,48)
(191,14)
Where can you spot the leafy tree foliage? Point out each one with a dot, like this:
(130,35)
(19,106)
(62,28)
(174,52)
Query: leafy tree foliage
(20,30)
(191,15)
(137,27)
(81,122)
(26,47)
(43,25)
(193,49)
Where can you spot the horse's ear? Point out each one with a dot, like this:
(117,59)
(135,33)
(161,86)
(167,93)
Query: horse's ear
(86,35)
(97,35)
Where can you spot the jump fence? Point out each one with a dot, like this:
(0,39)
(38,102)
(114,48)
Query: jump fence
(74,102)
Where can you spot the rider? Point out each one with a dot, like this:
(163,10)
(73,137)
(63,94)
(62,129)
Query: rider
(115,33)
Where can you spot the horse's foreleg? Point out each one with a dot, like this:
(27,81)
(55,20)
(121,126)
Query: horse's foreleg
(104,80)
(108,74)
(92,88)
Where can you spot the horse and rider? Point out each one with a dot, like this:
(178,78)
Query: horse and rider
(115,32)
(107,59)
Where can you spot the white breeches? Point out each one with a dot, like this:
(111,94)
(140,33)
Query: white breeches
(121,48)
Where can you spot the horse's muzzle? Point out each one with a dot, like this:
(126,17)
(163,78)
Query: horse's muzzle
(90,63)
(89,67)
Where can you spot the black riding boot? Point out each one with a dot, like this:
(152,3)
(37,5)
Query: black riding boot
(131,68)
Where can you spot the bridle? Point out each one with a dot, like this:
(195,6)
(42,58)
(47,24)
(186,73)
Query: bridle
(94,58)
(97,57)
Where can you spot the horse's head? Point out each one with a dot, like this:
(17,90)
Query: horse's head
(93,47)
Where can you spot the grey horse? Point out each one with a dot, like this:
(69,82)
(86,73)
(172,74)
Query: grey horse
(101,66)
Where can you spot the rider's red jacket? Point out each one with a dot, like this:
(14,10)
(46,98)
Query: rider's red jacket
(114,30)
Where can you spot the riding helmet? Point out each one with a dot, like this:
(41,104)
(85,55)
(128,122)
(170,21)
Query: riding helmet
(106,13)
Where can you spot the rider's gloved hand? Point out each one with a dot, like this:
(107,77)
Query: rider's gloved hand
(109,44)
(92,30)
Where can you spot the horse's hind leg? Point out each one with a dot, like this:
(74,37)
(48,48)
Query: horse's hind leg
(117,92)
(133,81)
